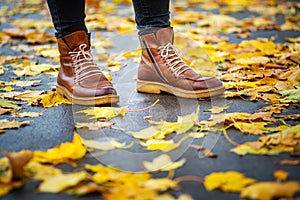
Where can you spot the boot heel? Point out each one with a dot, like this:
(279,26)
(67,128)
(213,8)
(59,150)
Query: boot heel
(144,88)
(59,90)
(62,92)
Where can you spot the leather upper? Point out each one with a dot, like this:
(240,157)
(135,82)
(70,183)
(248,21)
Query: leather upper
(155,68)
(96,83)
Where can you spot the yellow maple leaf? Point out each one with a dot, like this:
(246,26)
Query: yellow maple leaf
(40,171)
(7,89)
(32,69)
(280,175)
(162,128)
(247,148)
(230,181)
(285,140)
(163,163)
(251,128)
(104,112)
(160,184)
(252,60)
(93,125)
(267,47)
(106,145)
(163,145)
(60,182)
(49,99)
(270,190)
(107,173)
(69,150)
(6,188)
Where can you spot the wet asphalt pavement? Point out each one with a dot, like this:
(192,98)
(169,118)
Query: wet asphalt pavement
(56,125)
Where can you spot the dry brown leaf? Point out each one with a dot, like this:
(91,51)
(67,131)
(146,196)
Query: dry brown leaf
(290,162)
(18,160)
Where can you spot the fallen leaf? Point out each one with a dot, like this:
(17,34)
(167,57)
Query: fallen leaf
(66,151)
(105,145)
(104,112)
(290,95)
(25,83)
(297,39)
(6,124)
(94,125)
(163,163)
(6,110)
(216,109)
(49,99)
(34,69)
(280,175)
(252,127)
(160,184)
(285,140)
(6,174)
(290,162)
(230,181)
(251,61)
(24,96)
(28,114)
(162,128)
(6,188)
(17,161)
(163,145)
(8,104)
(60,182)
(37,37)
(84,189)
(270,190)
(40,171)
(7,89)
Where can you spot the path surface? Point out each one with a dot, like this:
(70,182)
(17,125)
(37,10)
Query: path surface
(56,125)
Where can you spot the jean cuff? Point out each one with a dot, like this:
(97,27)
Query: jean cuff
(149,29)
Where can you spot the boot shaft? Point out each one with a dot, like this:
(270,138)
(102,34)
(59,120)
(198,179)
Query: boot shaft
(72,42)
(158,38)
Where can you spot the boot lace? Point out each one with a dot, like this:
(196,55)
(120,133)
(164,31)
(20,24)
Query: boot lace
(84,66)
(173,57)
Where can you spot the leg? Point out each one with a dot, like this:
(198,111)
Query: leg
(67,16)
(79,79)
(151,13)
(161,67)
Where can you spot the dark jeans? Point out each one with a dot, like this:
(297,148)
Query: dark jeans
(68,15)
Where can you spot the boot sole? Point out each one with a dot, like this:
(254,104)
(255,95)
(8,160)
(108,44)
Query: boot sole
(157,88)
(87,101)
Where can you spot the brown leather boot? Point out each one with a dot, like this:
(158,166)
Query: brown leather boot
(162,69)
(80,79)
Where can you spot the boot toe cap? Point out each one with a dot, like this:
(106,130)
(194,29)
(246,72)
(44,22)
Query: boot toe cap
(208,83)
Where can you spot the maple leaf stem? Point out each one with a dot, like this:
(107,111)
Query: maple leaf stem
(197,147)
(228,138)
(171,174)
(142,109)
(189,178)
